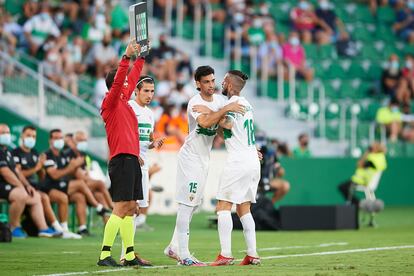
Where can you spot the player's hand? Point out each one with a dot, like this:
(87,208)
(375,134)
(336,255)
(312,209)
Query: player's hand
(236,107)
(133,49)
(159,142)
(140,161)
(154,169)
(199,108)
(41,162)
(260,155)
(30,190)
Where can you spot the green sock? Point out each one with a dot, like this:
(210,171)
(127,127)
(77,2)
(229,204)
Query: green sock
(111,229)
(127,236)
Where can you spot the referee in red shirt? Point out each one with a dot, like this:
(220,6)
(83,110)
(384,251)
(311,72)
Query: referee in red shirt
(121,127)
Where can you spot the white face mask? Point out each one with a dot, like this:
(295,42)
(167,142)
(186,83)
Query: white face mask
(409,64)
(82,146)
(239,17)
(257,23)
(5,139)
(294,41)
(304,5)
(29,142)
(58,144)
(324,5)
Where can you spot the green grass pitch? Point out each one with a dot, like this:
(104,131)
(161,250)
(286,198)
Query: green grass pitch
(288,253)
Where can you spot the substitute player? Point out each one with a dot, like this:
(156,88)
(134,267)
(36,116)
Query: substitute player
(121,127)
(144,94)
(241,174)
(193,160)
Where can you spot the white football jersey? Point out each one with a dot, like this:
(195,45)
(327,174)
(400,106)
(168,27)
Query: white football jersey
(146,123)
(200,140)
(241,136)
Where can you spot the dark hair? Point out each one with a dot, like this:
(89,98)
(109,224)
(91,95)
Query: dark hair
(240,74)
(203,71)
(394,101)
(28,127)
(109,79)
(54,131)
(144,79)
(302,135)
(69,134)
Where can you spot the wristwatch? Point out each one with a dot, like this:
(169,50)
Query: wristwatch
(126,57)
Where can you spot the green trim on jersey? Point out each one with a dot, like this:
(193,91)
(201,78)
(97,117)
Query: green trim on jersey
(227,133)
(206,131)
(144,138)
(145,125)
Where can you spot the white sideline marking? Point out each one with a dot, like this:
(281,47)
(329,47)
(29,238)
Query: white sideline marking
(358,250)
(70,252)
(301,246)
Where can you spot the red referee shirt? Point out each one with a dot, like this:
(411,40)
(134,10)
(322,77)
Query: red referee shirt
(121,124)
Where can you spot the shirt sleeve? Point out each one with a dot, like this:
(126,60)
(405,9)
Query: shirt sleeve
(134,75)
(3,159)
(113,96)
(191,112)
(50,162)
(16,157)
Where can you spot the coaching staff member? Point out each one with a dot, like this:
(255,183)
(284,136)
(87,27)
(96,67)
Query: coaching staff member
(121,127)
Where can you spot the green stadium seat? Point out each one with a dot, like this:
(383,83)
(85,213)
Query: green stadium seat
(327,52)
(311,50)
(363,14)
(386,14)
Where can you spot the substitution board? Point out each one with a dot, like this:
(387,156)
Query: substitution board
(138,24)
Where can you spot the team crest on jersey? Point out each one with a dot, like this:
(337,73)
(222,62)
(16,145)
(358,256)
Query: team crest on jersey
(63,161)
(191,197)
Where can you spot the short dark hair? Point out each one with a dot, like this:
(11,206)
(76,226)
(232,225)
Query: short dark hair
(69,134)
(240,74)
(203,71)
(28,127)
(302,135)
(144,79)
(54,131)
(109,79)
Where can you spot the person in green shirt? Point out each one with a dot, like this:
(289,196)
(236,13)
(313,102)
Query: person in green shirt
(302,150)
(390,117)
(372,162)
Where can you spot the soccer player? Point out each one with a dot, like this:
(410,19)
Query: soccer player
(193,160)
(30,163)
(121,127)
(241,174)
(144,94)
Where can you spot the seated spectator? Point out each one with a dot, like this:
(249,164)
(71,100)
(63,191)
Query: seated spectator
(8,40)
(329,25)
(270,52)
(404,25)
(38,28)
(373,161)
(304,20)
(30,163)
(102,57)
(391,76)
(255,33)
(346,47)
(15,188)
(302,150)
(390,117)
(294,55)
(96,186)
(408,73)
(60,171)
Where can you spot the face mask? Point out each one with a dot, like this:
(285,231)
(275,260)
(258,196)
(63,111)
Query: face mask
(304,6)
(264,10)
(410,4)
(239,17)
(394,65)
(324,5)
(58,144)
(294,41)
(395,109)
(257,23)
(409,64)
(82,146)
(29,142)
(5,139)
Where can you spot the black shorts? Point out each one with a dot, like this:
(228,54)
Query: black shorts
(5,190)
(126,178)
(62,186)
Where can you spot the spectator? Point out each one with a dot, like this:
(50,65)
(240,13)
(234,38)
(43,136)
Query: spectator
(391,76)
(270,52)
(38,28)
(294,55)
(329,25)
(390,117)
(18,192)
(60,170)
(408,73)
(304,20)
(373,161)
(30,163)
(302,150)
(404,25)
(102,57)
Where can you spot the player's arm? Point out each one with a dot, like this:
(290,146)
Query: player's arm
(156,143)
(207,120)
(56,173)
(135,73)
(10,177)
(228,121)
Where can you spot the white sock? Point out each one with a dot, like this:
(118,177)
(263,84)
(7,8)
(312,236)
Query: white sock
(249,231)
(140,220)
(99,207)
(174,240)
(182,225)
(225,227)
(65,226)
(57,226)
(82,227)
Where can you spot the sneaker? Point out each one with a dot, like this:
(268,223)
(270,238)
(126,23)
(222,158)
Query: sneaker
(170,253)
(144,228)
(18,233)
(108,261)
(221,260)
(49,233)
(141,261)
(103,212)
(249,260)
(191,262)
(84,232)
(71,235)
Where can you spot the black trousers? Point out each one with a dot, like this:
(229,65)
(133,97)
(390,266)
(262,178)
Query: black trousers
(347,190)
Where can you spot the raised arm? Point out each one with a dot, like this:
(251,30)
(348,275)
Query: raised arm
(134,75)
